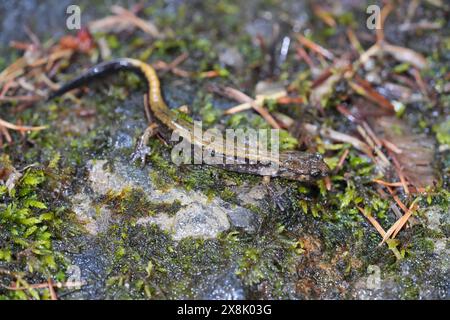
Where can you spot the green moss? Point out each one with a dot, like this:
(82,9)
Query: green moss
(228,195)
(442,131)
(260,262)
(134,203)
(411,290)
(30,223)
(287,142)
(210,115)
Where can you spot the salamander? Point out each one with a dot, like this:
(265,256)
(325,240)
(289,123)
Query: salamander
(293,165)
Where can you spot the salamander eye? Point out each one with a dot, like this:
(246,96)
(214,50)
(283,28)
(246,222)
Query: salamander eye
(315,174)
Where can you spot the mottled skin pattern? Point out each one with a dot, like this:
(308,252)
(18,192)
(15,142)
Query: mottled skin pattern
(293,165)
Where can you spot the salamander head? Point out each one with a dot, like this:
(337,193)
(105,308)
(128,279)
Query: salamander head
(302,166)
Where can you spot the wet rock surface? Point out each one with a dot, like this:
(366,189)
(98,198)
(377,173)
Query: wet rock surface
(198,216)
(226,286)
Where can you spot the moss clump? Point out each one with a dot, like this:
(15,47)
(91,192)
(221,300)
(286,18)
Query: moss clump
(30,223)
(134,203)
(443,132)
(147,263)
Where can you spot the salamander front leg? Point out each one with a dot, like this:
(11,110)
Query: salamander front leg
(275,195)
(142,149)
